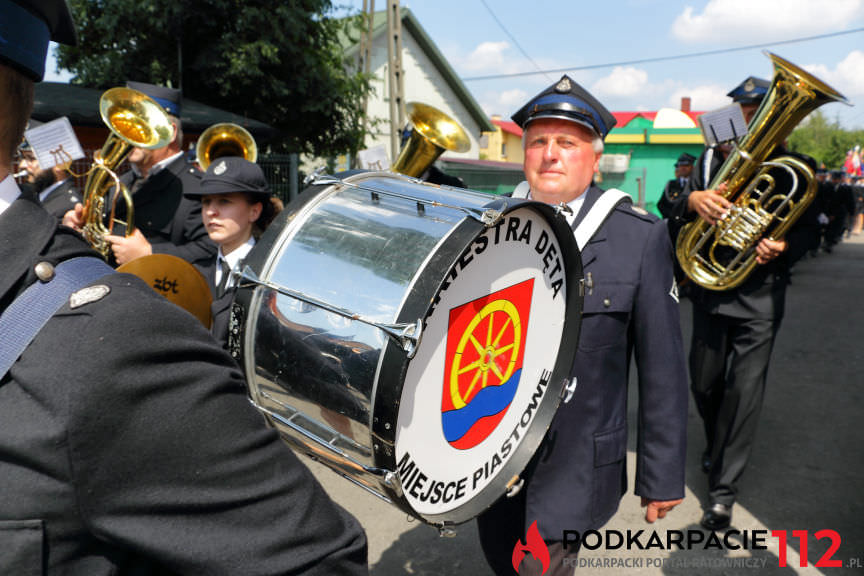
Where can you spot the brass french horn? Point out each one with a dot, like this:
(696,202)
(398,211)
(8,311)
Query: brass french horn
(225,139)
(432,133)
(722,256)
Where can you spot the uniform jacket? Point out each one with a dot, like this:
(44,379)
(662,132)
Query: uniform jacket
(128,445)
(630,307)
(674,188)
(169,221)
(763,293)
(220,308)
(62,199)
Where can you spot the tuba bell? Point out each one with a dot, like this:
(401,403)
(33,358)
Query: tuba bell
(432,133)
(225,139)
(722,256)
(135,120)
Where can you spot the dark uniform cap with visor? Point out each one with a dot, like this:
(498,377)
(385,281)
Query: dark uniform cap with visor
(567,100)
(750,91)
(26,26)
(230,174)
(169,98)
(685,160)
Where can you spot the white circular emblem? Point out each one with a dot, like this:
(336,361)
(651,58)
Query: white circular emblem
(220,168)
(483,367)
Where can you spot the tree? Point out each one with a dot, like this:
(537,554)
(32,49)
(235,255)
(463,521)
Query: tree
(824,140)
(277,62)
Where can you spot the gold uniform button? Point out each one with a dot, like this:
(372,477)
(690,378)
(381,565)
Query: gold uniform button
(607,302)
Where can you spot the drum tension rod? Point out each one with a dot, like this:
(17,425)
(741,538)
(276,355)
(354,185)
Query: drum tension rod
(488,216)
(406,335)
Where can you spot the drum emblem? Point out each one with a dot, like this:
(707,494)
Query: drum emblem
(483,365)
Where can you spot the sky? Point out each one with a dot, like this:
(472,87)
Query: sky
(611,40)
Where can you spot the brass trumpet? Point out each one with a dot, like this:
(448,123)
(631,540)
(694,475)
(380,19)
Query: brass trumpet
(135,120)
(722,256)
(225,139)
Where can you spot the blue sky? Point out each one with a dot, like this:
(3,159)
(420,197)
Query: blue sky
(564,34)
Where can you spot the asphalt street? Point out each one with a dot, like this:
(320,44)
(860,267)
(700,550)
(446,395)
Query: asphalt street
(806,472)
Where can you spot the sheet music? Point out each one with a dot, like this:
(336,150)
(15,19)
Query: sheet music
(723,125)
(54,143)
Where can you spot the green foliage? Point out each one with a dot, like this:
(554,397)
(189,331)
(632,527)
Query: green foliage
(824,140)
(277,62)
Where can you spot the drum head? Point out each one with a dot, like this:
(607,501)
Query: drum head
(496,350)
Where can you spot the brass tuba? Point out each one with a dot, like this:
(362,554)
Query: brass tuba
(135,120)
(225,139)
(721,256)
(433,132)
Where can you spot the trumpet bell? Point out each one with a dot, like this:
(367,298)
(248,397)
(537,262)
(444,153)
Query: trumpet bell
(225,139)
(135,118)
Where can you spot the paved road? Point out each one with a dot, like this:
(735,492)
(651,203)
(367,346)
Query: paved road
(806,471)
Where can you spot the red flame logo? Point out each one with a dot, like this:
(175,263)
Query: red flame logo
(535,546)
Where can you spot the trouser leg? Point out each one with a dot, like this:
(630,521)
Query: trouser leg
(707,368)
(502,526)
(751,342)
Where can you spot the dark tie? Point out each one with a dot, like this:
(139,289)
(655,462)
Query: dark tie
(226,274)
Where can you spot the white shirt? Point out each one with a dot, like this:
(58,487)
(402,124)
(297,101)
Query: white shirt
(44,193)
(9,192)
(232,259)
(575,205)
(158,167)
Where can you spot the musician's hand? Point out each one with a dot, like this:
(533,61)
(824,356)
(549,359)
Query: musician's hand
(74,218)
(768,249)
(655,509)
(710,205)
(127,248)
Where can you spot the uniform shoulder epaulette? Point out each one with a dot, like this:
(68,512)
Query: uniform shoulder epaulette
(636,211)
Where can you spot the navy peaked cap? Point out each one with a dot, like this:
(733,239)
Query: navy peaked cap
(685,160)
(567,100)
(750,91)
(26,27)
(169,98)
(232,174)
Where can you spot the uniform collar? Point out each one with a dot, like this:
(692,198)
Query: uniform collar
(237,255)
(9,192)
(47,191)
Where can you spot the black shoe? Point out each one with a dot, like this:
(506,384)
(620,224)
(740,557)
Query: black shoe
(705,463)
(717,517)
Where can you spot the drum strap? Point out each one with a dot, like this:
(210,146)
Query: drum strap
(28,313)
(597,215)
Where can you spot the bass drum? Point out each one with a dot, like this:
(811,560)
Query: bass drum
(415,338)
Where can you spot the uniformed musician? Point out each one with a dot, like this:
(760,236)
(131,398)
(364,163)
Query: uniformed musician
(127,443)
(166,222)
(579,474)
(236,207)
(676,186)
(734,330)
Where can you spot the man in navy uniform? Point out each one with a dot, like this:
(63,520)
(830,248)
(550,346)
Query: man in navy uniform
(166,222)
(579,474)
(676,186)
(127,444)
(734,330)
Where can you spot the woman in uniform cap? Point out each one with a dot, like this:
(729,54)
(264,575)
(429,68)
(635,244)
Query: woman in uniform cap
(236,207)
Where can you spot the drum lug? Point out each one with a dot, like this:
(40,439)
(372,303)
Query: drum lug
(514,486)
(446,531)
(491,217)
(391,480)
(562,208)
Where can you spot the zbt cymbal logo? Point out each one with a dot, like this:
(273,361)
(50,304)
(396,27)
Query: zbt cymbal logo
(483,363)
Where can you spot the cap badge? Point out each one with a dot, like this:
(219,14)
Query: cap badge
(749,86)
(220,168)
(563,86)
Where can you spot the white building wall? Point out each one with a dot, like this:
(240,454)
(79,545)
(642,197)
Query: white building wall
(424,83)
